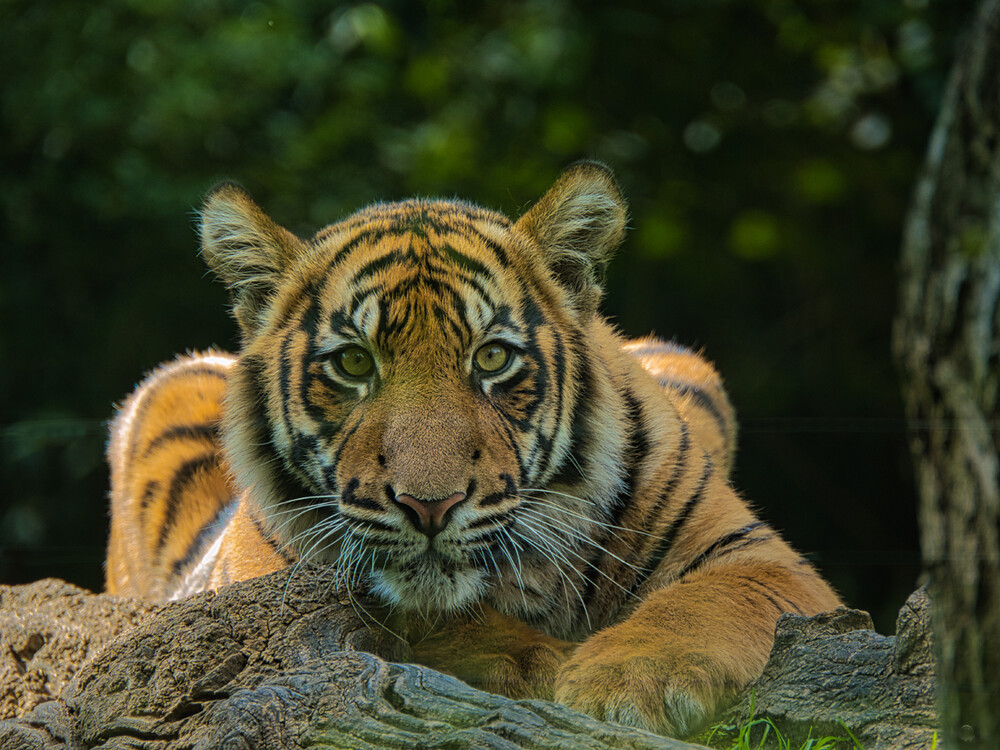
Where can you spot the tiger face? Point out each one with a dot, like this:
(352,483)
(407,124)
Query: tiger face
(409,374)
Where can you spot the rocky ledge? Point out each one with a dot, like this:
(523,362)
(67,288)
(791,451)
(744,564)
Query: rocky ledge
(287,661)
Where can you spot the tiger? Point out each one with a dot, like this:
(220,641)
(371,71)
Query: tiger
(427,399)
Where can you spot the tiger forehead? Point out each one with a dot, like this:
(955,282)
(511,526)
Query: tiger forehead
(418,264)
(435,223)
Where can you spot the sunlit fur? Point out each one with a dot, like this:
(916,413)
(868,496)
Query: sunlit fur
(597,507)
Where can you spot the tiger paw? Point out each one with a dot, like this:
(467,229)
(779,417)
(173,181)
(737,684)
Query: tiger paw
(632,682)
(495,653)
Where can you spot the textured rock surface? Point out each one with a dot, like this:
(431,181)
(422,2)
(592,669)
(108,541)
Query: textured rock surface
(284,662)
(833,671)
(48,630)
(287,661)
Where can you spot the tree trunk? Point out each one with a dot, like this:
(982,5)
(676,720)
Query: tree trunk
(947,344)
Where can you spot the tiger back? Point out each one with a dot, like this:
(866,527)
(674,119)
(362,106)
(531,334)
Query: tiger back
(428,399)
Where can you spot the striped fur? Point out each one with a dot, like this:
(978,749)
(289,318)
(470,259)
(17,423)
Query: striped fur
(428,399)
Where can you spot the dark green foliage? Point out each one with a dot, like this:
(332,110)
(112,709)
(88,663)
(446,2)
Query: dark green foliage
(767,147)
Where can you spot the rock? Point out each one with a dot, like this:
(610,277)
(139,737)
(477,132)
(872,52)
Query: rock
(833,671)
(281,662)
(287,660)
(48,630)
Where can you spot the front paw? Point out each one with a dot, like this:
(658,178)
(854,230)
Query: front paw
(495,653)
(641,684)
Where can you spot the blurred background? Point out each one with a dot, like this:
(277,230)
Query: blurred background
(768,149)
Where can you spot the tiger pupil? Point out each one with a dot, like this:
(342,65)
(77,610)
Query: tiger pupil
(492,357)
(355,361)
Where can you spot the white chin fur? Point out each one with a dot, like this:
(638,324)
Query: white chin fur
(428,588)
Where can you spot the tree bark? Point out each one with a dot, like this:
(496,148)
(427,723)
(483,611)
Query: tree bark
(947,345)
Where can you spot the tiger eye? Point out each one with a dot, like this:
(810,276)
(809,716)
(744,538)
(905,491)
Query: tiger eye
(354,362)
(491,357)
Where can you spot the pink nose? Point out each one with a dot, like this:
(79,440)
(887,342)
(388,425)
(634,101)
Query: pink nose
(431,513)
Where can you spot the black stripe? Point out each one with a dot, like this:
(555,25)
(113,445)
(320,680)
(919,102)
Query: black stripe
(779,602)
(634,456)
(558,368)
(734,540)
(464,261)
(512,443)
(372,267)
(148,400)
(348,497)
(656,556)
(148,493)
(285,382)
(179,484)
(492,245)
(272,541)
(509,490)
(208,532)
(345,250)
(702,399)
(570,469)
(460,332)
(200,431)
(666,494)
(259,439)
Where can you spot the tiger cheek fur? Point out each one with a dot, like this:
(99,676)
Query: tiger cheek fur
(428,399)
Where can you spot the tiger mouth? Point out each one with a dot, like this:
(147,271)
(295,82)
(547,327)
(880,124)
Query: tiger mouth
(430,582)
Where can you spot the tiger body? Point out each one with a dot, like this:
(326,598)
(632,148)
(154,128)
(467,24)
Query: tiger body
(427,398)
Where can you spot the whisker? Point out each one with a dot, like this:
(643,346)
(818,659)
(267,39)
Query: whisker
(544,519)
(552,549)
(567,511)
(578,535)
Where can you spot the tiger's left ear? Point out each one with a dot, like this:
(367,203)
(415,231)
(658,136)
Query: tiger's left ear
(578,224)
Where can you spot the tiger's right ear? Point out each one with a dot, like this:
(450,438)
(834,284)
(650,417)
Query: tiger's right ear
(246,249)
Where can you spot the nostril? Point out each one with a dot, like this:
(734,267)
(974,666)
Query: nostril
(431,515)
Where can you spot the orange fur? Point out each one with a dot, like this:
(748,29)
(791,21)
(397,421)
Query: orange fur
(428,399)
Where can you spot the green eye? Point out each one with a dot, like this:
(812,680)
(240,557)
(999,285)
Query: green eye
(354,362)
(492,357)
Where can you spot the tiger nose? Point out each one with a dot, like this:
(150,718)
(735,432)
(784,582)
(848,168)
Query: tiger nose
(430,514)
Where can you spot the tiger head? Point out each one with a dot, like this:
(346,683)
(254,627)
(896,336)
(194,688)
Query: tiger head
(408,376)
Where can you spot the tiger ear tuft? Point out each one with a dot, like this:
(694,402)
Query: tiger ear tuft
(246,249)
(578,224)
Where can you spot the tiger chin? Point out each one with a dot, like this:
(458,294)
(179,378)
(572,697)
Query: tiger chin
(427,399)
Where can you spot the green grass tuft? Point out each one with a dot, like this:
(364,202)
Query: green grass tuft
(762,734)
